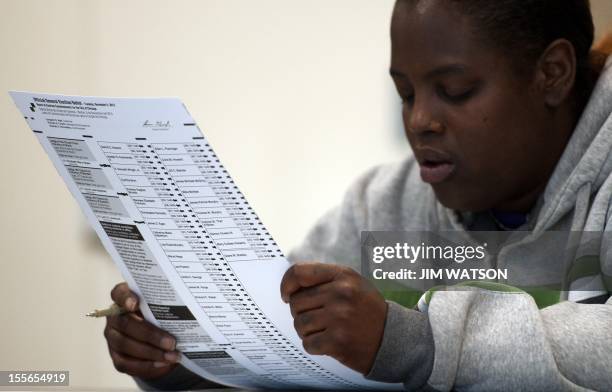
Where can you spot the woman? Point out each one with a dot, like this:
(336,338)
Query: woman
(509,131)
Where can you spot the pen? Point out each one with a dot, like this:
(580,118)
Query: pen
(112,310)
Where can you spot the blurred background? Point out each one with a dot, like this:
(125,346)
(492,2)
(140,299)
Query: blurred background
(293,95)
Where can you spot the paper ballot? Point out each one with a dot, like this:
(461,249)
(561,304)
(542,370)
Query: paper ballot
(184,237)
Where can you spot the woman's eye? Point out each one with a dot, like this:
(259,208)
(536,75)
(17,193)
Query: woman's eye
(456,95)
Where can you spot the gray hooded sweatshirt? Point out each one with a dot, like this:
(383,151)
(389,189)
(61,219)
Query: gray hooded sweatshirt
(484,340)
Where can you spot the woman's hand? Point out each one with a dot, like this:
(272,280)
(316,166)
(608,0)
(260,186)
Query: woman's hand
(336,312)
(137,347)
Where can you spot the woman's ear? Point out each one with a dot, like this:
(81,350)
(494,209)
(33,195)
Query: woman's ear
(556,72)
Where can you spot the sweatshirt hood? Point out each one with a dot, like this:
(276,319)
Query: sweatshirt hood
(586,162)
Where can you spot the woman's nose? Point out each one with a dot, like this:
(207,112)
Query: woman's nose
(419,119)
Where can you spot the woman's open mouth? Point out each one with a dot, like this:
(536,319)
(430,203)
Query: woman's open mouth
(436,167)
(433,173)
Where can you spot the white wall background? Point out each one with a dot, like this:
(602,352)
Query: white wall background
(293,95)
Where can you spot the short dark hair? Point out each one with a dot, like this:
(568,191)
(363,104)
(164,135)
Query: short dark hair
(525,28)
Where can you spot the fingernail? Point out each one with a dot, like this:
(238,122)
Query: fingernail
(130,304)
(160,364)
(168,343)
(172,356)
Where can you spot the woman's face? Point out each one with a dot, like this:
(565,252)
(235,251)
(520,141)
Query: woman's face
(479,130)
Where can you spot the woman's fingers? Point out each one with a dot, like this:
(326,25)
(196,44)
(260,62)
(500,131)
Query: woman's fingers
(139,368)
(141,330)
(124,297)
